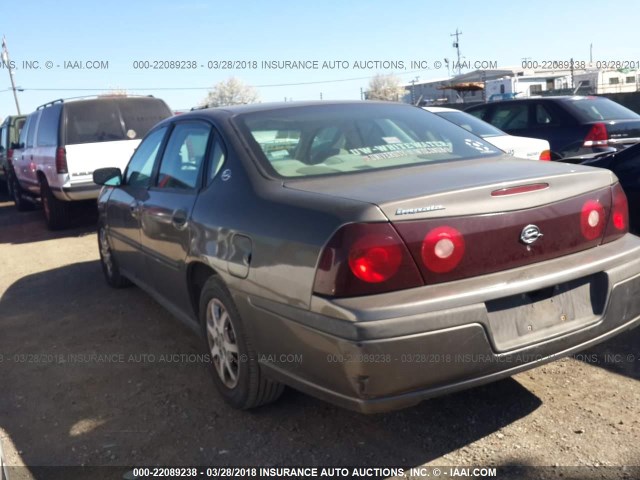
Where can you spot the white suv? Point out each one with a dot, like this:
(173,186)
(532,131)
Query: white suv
(64,141)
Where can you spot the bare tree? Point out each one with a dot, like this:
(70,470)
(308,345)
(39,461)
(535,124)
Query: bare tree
(231,92)
(385,87)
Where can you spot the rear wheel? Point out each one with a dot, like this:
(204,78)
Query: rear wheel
(235,369)
(56,212)
(109,265)
(18,195)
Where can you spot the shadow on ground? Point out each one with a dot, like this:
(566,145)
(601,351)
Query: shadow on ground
(85,384)
(26,227)
(620,355)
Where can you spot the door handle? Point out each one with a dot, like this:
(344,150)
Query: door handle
(134,209)
(179,219)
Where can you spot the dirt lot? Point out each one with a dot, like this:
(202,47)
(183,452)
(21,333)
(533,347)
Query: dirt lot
(60,406)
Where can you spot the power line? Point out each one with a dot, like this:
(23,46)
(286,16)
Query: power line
(83,89)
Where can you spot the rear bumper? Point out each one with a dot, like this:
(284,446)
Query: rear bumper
(78,192)
(391,351)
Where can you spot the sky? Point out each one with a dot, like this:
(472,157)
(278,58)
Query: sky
(354,35)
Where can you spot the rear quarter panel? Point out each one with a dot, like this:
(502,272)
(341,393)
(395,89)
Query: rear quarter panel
(287,228)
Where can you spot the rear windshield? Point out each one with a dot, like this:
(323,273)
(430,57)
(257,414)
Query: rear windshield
(471,123)
(107,120)
(591,109)
(334,139)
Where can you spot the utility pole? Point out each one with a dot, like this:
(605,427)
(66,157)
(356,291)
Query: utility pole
(572,73)
(413,88)
(320,95)
(7,62)
(456,45)
(361,93)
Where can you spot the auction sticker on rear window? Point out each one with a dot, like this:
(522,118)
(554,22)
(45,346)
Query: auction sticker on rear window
(394,150)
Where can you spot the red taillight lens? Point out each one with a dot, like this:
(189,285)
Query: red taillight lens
(61,160)
(363,259)
(597,136)
(442,249)
(619,218)
(375,258)
(592,220)
(545,155)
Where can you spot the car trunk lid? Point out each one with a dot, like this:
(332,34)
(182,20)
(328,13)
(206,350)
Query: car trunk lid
(471,218)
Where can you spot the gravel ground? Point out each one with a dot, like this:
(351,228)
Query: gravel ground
(138,404)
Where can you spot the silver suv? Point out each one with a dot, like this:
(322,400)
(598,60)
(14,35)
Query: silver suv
(64,141)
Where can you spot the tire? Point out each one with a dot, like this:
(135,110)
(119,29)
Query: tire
(108,262)
(56,212)
(7,180)
(224,335)
(17,194)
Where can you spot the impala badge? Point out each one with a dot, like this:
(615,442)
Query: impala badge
(530,234)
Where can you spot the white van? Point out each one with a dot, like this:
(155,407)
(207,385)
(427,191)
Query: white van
(64,141)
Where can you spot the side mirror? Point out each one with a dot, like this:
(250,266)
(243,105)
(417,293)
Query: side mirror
(17,146)
(111,176)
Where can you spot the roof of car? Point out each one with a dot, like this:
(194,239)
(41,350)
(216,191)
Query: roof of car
(537,98)
(260,107)
(439,109)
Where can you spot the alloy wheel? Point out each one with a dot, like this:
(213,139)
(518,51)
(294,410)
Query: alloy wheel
(223,346)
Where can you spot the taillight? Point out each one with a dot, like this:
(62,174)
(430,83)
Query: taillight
(442,249)
(592,220)
(597,136)
(10,156)
(61,160)
(363,259)
(618,223)
(375,258)
(545,155)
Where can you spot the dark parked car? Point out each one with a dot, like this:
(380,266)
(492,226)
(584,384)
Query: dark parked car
(9,136)
(371,254)
(572,125)
(626,165)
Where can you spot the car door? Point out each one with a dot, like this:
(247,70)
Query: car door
(24,166)
(551,123)
(166,212)
(124,206)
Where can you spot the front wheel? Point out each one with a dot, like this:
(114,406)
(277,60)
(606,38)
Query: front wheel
(18,196)
(109,266)
(235,368)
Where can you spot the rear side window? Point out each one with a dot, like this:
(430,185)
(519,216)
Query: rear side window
(25,130)
(17,130)
(3,138)
(48,128)
(113,119)
(32,129)
(590,109)
(510,116)
(184,155)
(478,113)
(471,123)
(217,158)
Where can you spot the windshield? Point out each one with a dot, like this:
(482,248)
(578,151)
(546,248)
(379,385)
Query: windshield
(591,109)
(333,139)
(471,123)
